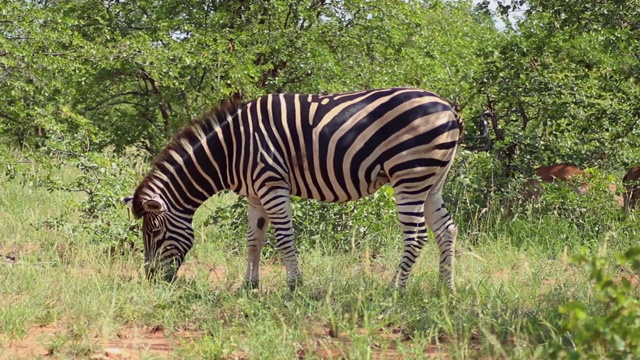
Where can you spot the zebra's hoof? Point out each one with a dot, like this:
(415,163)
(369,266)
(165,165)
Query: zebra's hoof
(446,290)
(250,285)
(295,283)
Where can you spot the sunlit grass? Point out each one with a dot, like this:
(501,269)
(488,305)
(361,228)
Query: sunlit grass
(511,279)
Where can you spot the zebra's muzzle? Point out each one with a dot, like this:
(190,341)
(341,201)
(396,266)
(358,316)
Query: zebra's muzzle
(155,273)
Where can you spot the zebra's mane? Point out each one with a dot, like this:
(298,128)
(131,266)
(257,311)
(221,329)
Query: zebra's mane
(205,124)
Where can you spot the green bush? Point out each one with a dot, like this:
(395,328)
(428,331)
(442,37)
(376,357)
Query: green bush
(102,179)
(94,180)
(607,325)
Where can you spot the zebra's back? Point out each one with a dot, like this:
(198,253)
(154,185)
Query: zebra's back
(341,147)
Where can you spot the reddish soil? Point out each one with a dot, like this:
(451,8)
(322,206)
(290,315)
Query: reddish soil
(30,346)
(129,343)
(139,343)
(633,278)
(328,345)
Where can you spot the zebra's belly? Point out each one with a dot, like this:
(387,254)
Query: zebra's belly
(331,192)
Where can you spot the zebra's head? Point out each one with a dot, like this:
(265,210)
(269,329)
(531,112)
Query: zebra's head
(167,237)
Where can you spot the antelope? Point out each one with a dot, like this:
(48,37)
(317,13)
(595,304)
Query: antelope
(631,183)
(552,174)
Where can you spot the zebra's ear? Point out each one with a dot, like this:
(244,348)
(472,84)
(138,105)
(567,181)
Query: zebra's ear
(128,201)
(155,205)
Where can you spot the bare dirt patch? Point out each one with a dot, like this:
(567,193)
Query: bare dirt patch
(326,344)
(10,255)
(30,346)
(138,343)
(217,275)
(630,276)
(129,343)
(133,343)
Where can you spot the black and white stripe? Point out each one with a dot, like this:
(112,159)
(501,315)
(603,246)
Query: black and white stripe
(331,148)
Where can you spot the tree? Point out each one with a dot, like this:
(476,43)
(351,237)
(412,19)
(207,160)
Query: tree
(131,73)
(562,85)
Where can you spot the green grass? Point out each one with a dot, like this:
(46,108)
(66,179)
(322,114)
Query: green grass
(512,275)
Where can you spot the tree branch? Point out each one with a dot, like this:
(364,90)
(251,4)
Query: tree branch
(101,104)
(162,105)
(494,120)
(523,114)
(122,102)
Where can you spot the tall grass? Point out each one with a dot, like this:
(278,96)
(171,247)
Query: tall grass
(512,274)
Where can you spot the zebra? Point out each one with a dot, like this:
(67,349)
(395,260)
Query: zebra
(332,148)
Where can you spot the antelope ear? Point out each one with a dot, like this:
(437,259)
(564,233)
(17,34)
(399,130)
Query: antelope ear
(155,205)
(128,201)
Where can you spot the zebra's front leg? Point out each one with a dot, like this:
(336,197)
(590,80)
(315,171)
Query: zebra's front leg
(277,204)
(414,232)
(258,223)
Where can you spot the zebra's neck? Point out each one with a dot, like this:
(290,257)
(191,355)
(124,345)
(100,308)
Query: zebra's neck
(189,172)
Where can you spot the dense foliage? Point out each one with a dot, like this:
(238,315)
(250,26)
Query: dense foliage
(131,73)
(564,85)
(128,74)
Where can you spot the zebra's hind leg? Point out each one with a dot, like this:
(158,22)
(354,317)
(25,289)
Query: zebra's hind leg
(410,205)
(258,223)
(277,204)
(445,230)
(443,227)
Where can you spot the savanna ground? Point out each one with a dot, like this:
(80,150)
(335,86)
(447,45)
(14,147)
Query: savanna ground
(66,295)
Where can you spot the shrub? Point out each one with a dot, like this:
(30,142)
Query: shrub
(607,326)
(102,179)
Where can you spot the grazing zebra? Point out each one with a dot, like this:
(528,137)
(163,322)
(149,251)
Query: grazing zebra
(332,148)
